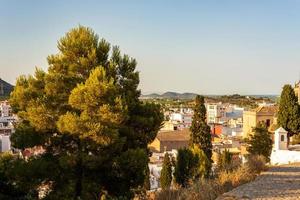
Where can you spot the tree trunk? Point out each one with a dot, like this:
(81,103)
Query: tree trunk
(78,174)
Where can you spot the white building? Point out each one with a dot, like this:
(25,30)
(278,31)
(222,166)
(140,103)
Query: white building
(6,126)
(281,153)
(234,117)
(215,112)
(182,120)
(5,109)
(5,144)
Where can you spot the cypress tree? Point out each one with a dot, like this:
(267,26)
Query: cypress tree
(289,110)
(200,131)
(184,167)
(201,163)
(224,160)
(166,173)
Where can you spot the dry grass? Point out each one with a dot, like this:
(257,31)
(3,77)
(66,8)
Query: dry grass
(241,175)
(211,189)
(256,164)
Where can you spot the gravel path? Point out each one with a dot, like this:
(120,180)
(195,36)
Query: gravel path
(279,183)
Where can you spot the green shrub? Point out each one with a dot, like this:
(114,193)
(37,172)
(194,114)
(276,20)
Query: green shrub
(166,173)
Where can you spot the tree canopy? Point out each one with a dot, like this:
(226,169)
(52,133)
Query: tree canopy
(260,142)
(184,167)
(289,110)
(166,173)
(84,111)
(200,131)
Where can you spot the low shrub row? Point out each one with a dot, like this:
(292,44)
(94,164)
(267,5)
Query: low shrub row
(209,189)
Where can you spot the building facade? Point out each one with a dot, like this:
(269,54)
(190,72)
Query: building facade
(168,141)
(215,112)
(262,114)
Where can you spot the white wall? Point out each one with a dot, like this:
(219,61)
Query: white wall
(5,143)
(279,157)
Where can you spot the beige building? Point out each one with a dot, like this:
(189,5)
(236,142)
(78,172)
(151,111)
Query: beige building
(262,114)
(166,141)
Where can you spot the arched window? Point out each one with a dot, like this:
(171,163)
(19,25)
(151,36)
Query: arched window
(282,138)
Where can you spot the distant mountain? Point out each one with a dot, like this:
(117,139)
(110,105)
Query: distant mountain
(171,95)
(5,88)
(188,95)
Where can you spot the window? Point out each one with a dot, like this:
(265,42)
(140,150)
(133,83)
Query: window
(268,122)
(282,138)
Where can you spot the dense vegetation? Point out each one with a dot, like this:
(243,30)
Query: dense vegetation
(260,142)
(240,100)
(85,114)
(166,173)
(225,180)
(200,132)
(289,111)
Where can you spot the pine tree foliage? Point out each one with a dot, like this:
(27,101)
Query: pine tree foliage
(166,173)
(86,114)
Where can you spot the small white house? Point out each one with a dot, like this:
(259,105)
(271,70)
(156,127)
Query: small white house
(281,139)
(281,153)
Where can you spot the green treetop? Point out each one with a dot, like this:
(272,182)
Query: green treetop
(260,142)
(200,131)
(184,167)
(87,117)
(289,110)
(166,173)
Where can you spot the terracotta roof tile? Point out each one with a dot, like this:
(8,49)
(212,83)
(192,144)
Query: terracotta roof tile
(178,135)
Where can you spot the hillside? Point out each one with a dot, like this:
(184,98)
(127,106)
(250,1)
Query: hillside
(5,89)
(171,95)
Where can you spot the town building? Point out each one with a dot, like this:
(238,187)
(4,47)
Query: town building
(261,114)
(215,112)
(234,117)
(167,141)
(5,144)
(5,109)
(7,120)
(282,152)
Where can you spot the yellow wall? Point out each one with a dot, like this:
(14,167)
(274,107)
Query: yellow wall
(251,119)
(155,145)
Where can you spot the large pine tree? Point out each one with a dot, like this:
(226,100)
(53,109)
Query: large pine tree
(87,117)
(200,131)
(289,111)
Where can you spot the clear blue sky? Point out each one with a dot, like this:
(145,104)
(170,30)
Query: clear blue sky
(208,47)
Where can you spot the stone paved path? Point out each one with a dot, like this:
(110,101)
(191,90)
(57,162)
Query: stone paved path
(279,183)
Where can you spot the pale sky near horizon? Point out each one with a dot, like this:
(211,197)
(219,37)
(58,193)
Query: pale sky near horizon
(207,47)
